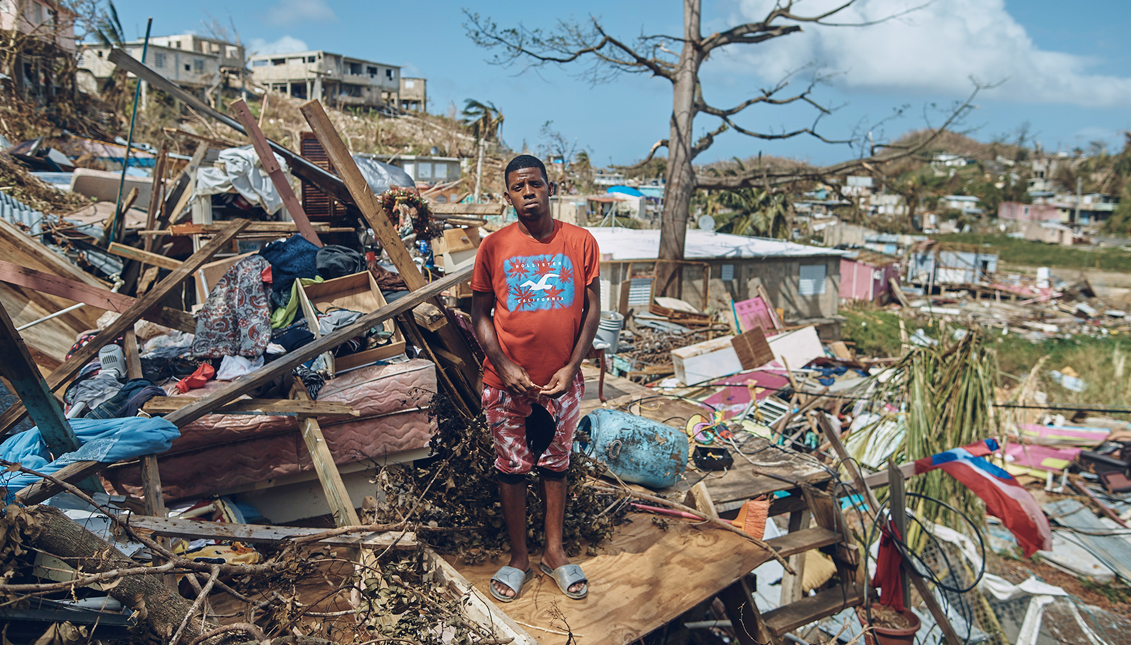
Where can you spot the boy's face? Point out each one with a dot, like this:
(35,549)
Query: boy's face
(529,193)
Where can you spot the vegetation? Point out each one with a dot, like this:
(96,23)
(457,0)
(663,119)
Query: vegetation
(1026,253)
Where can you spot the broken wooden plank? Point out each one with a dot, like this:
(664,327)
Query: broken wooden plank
(263,533)
(145,257)
(477,606)
(84,355)
(45,489)
(50,261)
(159,405)
(810,609)
(467,209)
(341,507)
(383,228)
(275,172)
(265,228)
(158,183)
(17,366)
(290,360)
(300,167)
(94,296)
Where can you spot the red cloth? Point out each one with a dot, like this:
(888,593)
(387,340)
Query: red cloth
(202,375)
(887,578)
(539,288)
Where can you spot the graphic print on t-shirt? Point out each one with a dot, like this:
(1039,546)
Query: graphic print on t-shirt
(537,282)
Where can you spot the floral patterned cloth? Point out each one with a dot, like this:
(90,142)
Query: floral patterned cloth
(236,319)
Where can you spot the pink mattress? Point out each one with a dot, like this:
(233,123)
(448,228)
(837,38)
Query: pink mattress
(219,453)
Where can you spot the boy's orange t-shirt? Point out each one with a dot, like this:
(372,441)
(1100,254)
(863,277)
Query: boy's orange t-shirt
(539,288)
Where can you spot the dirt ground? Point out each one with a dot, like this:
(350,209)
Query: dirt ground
(1017,571)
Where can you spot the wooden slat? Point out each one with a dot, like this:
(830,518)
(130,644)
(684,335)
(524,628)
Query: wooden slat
(275,172)
(71,473)
(80,358)
(155,188)
(254,227)
(23,243)
(738,599)
(18,367)
(144,257)
(468,209)
(264,534)
(288,361)
(803,540)
(279,407)
(383,228)
(91,295)
(341,507)
(812,608)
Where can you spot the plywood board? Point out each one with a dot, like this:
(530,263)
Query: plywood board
(752,348)
(705,361)
(642,579)
(798,347)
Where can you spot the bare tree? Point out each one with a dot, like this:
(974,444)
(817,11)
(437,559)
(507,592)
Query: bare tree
(609,56)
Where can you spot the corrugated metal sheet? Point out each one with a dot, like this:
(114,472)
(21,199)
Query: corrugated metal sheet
(12,210)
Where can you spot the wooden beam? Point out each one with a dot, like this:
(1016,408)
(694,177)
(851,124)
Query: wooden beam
(80,358)
(145,257)
(72,473)
(254,227)
(332,485)
(300,167)
(52,262)
(284,364)
(468,209)
(153,496)
(279,407)
(18,367)
(158,183)
(383,228)
(263,533)
(91,295)
(275,172)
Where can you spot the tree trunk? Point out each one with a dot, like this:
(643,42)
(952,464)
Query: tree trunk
(681,173)
(60,536)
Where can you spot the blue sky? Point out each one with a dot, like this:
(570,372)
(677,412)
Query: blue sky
(1067,72)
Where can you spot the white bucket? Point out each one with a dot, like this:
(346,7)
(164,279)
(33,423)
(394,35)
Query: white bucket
(608,330)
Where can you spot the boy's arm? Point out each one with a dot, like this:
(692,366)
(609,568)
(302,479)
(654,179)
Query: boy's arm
(561,379)
(513,375)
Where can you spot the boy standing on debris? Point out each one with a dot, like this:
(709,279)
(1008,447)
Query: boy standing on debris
(539,275)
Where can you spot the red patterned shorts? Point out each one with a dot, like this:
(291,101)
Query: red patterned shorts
(506,415)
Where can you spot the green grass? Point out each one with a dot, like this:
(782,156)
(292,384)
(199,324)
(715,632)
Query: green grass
(1097,360)
(1039,254)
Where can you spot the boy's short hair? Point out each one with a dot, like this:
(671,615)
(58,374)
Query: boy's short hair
(525,161)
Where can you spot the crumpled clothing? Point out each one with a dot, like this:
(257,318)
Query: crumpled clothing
(233,367)
(338,261)
(235,320)
(291,259)
(102,440)
(294,336)
(386,279)
(335,319)
(242,170)
(80,342)
(888,560)
(313,381)
(95,390)
(285,315)
(163,369)
(197,379)
(115,406)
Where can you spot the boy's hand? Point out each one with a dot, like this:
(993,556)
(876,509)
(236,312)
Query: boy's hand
(560,381)
(515,378)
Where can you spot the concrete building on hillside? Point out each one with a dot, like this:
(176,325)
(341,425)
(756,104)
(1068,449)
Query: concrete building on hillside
(414,95)
(187,68)
(37,35)
(339,80)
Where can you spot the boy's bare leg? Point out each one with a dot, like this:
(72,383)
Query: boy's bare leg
(554,498)
(513,497)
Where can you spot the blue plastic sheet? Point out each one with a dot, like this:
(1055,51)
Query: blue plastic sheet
(105,440)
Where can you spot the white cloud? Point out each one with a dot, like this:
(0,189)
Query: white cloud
(935,50)
(292,12)
(284,45)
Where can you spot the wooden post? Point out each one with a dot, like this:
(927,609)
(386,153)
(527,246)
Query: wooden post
(920,585)
(383,228)
(897,502)
(17,366)
(157,185)
(792,588)
(68,369)
(745,619)
(336,494)
(275,172)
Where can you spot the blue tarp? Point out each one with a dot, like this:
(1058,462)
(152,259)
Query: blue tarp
(107,440)
(625,190)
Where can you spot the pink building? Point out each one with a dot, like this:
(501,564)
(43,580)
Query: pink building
(1018,212)
(866,275)
(42,31)
(46,20)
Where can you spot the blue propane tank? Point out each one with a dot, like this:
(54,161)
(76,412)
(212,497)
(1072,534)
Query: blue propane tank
(636,449)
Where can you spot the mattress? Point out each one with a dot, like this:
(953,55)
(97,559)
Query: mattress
(221,453)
